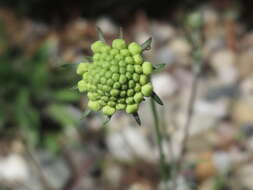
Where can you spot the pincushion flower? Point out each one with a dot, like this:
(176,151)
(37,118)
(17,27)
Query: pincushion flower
(117,78)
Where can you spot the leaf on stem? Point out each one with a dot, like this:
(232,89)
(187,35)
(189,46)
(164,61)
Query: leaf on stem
(101,36)
(137,118)
(147,44)
(156,98)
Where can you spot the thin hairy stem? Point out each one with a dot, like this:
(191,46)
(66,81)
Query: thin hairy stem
(159,139)
(187,125)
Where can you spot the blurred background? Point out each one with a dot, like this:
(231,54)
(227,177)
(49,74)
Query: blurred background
(47,144)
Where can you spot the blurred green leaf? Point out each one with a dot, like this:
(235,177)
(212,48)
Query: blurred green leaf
(40,77)
(137,118)
(27,117)
(67,95)
(51,141)
(2,118)
(62,114)
(29,85)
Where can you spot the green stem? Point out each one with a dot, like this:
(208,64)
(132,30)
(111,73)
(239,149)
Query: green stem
(159,139)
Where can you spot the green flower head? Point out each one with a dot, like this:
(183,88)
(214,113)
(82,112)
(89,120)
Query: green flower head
(117,78)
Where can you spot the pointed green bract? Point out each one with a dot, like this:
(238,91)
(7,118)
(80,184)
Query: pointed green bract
(108,118)
(137,118)
(156,98)
(158,67)
(147,44)
(100,34)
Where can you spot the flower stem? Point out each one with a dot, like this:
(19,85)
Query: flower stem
(159,139)
(186,129)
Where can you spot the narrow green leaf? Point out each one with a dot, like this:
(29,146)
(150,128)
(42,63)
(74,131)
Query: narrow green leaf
(147,44)
(156,98)
(101,36)
(137,118)
(159,67)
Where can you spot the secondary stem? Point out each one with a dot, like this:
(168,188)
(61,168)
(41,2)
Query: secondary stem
(195,38)
(159,138)
(187,125)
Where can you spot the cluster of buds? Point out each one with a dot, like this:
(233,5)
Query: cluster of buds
(117,78)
